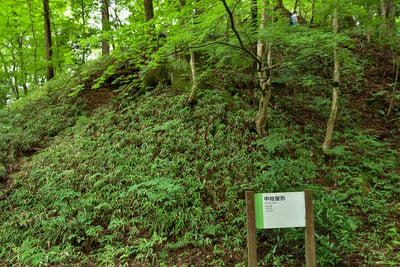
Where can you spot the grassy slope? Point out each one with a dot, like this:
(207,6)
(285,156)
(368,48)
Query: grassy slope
(155,182)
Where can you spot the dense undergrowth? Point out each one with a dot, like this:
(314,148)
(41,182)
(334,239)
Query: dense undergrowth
(153,181)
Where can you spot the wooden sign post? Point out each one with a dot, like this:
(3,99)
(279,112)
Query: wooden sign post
(280,210)
(309,232)
(251,230)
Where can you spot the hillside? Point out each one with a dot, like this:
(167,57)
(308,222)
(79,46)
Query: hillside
(122,176)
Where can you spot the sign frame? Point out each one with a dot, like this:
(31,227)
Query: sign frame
(309,228)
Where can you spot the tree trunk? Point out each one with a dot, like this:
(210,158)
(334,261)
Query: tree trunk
(14,78)
(394,90)
(182,3)
(296,4)
(84,30)
(192,95)
(148,9)
(254,27)
(22,65)
(264,77)
(47,38)
(254,14)
(312,13)
(35,76)
(56,49)
(369,28)
(263,59)
(105,24)
(388,16)
(9,77)
(336,83)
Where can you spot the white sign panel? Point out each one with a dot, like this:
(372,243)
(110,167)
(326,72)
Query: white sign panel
(280,210)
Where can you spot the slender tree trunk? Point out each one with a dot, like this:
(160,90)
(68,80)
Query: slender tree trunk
(264,77)
(369,28)
(335,89)
(264,60)
(22,65)
(149,14)
(47,38)
(394,90)
(312,13)
(84,30)
(14,89)
(192,96)
(35,44)
(296,4)
(254,26)
(56,49)
(14,78)
(388,16)
(182,3)
(148,9)
(254,14)
(195,85)
(105,24)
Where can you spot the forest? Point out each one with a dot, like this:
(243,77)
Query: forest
(130,131)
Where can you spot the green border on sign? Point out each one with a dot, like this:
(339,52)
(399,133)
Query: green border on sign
(259,210)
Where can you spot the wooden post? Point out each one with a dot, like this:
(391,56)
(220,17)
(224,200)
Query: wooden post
(309,231)
(251,230)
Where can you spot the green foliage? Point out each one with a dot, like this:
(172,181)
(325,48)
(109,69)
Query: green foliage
(140,182)
(31,122)
(78,214)
(148,180)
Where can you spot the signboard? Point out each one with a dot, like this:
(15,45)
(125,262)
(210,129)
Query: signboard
(280,210)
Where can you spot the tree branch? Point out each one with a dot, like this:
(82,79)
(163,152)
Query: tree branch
(204,45)
(237,33)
